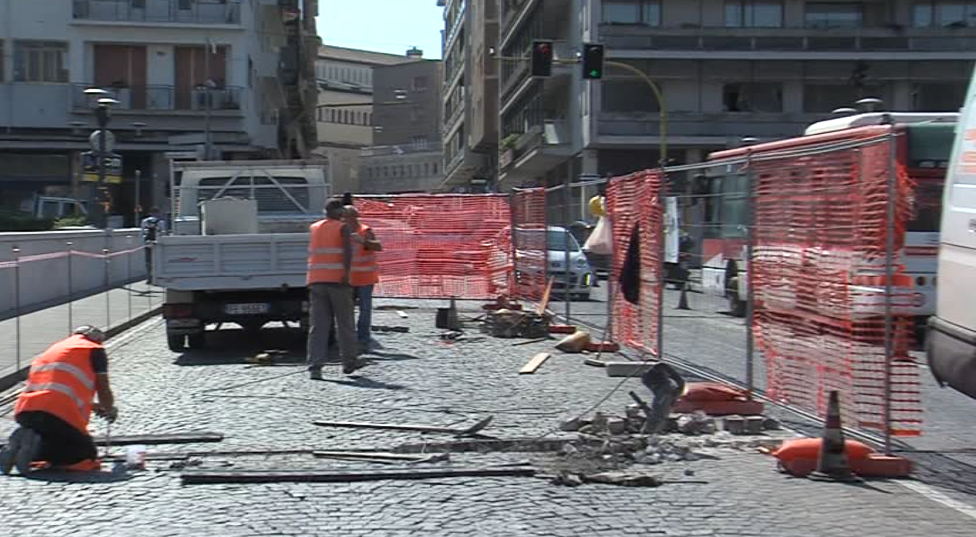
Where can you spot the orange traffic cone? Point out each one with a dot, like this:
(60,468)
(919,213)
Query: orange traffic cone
(832,463)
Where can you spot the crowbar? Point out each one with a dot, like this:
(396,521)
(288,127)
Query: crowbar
(470,431)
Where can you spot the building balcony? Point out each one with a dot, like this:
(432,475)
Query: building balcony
(159,11)
(701,128)
(537,150)
(787,42)
(225,100)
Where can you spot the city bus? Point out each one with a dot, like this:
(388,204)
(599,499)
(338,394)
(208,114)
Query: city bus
(922,149)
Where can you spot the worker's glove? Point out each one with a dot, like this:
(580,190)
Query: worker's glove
(110,414)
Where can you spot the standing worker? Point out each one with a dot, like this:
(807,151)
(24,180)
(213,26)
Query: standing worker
(152,227)
(365,272)
(56,404)
(330,255)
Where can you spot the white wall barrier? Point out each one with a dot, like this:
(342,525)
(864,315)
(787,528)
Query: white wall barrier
(35,266)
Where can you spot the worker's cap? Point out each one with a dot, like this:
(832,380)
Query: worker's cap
(91,333)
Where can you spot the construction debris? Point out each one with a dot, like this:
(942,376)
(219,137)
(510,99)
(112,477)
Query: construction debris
(574,343)
(402,314)
(470,431)
(506,323)
(533,364)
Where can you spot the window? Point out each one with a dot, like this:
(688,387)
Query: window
(746,14)
(840,15)
(943,14)
(825,98)
(632,12)
(939,96)
(753,97)
(626,95)
(419,142)
(40,61)
(419,83)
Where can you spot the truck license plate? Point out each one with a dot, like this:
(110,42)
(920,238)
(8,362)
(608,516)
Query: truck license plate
(247,309)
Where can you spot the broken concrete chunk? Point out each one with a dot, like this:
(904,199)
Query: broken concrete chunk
(634,411)
(754,424)
(771,424)
(567,479)
(571,425)
(616,426)
(624,479)
(636,425)
(734,424)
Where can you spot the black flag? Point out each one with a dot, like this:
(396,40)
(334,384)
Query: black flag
(630,275)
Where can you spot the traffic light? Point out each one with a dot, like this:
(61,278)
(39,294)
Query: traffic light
(592,61)
(541,58)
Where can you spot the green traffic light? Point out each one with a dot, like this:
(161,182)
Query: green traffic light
(594,73)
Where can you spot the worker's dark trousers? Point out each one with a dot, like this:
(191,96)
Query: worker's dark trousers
(61,444)
(149,261)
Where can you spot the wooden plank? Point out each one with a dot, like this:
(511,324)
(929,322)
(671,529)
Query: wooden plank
(546,296)
(366,455)
(534,363)
(195,477)
(407,427)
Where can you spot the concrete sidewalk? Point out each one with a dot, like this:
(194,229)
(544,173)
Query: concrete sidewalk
(113,310)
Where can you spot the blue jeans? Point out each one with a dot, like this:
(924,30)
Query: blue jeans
(365,295)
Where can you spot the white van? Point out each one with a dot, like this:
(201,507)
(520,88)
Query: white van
(951,342)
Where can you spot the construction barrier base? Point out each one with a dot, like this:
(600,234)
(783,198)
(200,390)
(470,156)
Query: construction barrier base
(603,346)
(874,465)
(720,408)
(561,329)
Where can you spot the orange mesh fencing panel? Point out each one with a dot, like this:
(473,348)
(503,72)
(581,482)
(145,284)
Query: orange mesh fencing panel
(632,201)
(818,276)
(530,244)
(441,246)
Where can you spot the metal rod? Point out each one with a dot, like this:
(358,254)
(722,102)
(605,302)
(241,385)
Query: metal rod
(750,285)
(137,206)
(17,342)
(889,275)
(108,290)
(128,273)
(662,249)
(208,95)
(568,275)
(71,298)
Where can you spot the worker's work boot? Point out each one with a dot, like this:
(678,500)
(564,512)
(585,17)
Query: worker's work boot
(9,452)
(29,449)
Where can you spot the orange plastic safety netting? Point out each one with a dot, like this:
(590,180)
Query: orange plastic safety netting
(441,246)
(819,270)
(529,244)
(633,201)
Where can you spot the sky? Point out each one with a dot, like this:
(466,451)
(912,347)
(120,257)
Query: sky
(382,25)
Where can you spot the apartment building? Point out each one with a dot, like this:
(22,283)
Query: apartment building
(728,70)
(160,60)
(345,108)
(470,130)
(407,155)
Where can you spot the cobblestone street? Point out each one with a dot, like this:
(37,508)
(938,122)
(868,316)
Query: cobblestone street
(415,378)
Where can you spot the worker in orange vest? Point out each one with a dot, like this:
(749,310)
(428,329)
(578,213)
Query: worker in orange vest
(365,272)
(56,404)
(330,255)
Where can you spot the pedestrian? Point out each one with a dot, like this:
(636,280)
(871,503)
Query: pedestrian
(330,256)
(152,227)
(54,409)
(365,272)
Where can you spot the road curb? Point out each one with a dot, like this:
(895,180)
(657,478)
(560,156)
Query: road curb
(11,379)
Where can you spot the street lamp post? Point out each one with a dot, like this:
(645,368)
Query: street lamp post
(96,210)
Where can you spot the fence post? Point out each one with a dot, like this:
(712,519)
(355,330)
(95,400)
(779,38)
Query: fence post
(515,291)
(889,275)
(16,250)
(108,289)
(750,281)
(662,188)
(128,271)
(71,287)
(568,275)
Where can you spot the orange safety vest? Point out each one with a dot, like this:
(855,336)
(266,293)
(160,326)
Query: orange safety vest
(62,382)
(365,269)
(325,252)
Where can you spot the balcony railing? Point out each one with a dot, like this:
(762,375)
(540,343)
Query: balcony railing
(159,11)
(786,39)
(161,98)
(765,126)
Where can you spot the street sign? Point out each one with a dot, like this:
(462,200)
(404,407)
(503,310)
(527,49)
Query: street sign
(112,163)
(94,141)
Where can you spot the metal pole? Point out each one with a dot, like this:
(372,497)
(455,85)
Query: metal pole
(750,289)
(98,209)
(889,275)
(567,215)
(172,199)
(17,304)
(661,284)
(70,290)
(108,291)
(206,83)
(128,270)
(137,205)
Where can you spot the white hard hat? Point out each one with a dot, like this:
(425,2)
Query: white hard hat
(92,333)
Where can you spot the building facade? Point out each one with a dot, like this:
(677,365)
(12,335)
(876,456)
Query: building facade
(345,110)
(470,130)
(407,155)
(237,69)
(727,70)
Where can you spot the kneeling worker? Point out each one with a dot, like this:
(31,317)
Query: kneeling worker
(56,404)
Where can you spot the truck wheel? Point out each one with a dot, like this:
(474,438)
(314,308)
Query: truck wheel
(197,341)
(176,343)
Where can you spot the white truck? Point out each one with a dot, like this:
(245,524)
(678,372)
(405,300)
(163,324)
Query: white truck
(238,253)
